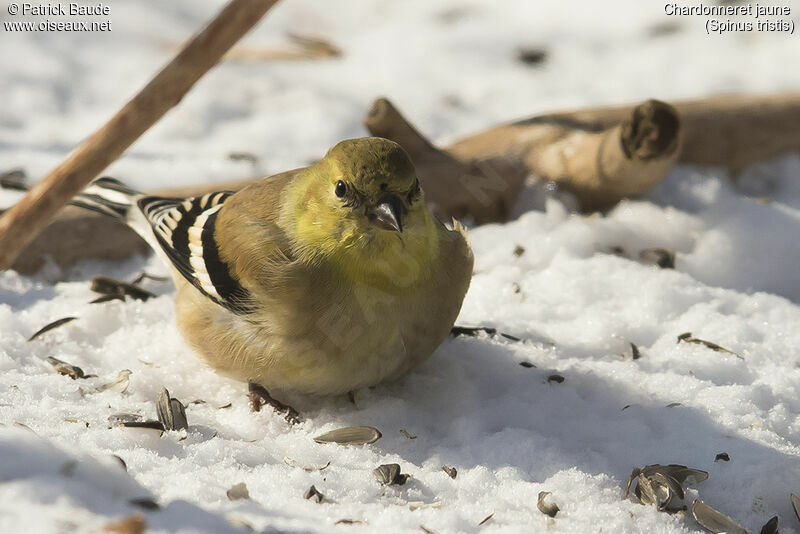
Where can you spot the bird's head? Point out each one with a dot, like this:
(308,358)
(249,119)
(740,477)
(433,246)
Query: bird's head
(363,198)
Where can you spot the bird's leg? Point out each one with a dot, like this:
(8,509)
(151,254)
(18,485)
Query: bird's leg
(259,396)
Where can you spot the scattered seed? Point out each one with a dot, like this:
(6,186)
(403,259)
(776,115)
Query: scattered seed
(686,337)
(171,412)
(531,56)
(351,435)
(771,526)
(74,420)
(679,472)
(149,276)
(313,494)
(420,505)
(473,331)
(146,503)
(108,286)
(107,298)
(307,468)
(224,406)
(625,407)
(119,384)
(519,250)
(487,518)
(425,530)
(662,257)
(48,327)
(515,288)
(714,521)
(555,378)
(389,475)
(795,504)
(146,425)
(527,365)
(14,180)
(452,472)
(116,419)
(121,461)
(407,434)
(635,354)
(243,156)
(550,509)
(64,368)
(133,524)
(673,405)
(723,456)
(238,492)
(348,522)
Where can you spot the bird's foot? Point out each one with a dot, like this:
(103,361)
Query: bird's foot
(259,396)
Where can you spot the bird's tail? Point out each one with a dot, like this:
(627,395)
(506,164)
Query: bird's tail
(109,197)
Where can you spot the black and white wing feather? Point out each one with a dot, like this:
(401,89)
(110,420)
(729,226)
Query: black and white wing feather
(184,229)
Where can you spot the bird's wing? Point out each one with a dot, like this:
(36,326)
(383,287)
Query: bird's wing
(185,231)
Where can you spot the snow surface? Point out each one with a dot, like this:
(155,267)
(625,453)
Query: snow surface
(575,298)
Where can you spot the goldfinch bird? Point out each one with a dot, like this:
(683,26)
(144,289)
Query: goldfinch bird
(320,280)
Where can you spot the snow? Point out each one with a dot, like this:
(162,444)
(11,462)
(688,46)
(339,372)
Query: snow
(508,430)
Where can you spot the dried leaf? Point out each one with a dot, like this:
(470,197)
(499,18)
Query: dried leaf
(64,368)
(238,492)
(451,471)
(351,435)
(48,327)
(313,494)
(550,509)
(714,521)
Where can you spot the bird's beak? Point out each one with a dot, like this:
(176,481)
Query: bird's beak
(388,214)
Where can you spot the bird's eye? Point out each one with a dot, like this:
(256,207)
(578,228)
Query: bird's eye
(341,189)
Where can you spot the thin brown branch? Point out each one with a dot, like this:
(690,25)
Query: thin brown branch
(20,224)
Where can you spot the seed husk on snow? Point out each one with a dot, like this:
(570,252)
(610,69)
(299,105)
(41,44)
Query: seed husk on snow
(635,354)
(486,519)
(171,412)
(663,257)
(527,365)
(452,472)
(120,383)
(407,434)
(306,468)
(660,484)
(146,503)
(473,331)
(116,419)
(687,337)
(389,475)
(108,286)
(351,435)
(146,425)
(555,378)
(51,326)
(550,509)
(67,369)
(14,180)
(796,505)
(714,521)
(238,492)
(723,456)
(771,526)
(313,494)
